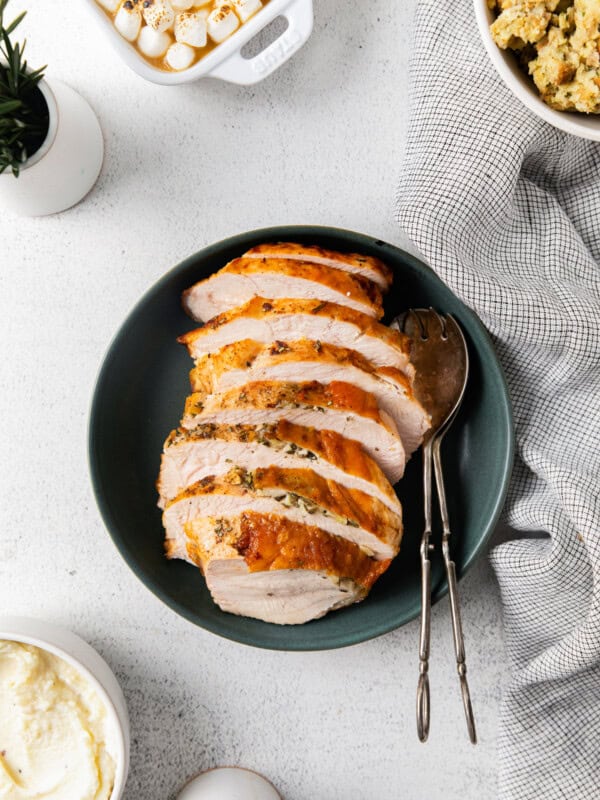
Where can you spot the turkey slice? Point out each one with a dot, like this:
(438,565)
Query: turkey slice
(211,449)
(288,319)
(299,494)
(276,570)
(367,266)
(245,278)
(249,361)
(337,406)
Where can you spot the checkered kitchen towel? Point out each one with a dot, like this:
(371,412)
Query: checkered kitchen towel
(507,211)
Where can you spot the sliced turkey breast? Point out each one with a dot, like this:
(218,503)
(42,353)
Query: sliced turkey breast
(245,278)
(301,495)
(211,449)
(271,568)
(338,407)
(288,319)
(367,266)
(249,361)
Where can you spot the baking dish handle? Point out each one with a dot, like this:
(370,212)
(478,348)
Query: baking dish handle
(237,69)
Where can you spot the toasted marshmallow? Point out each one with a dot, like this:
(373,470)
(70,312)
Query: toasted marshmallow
(246,8)
(158,14)
(190,28)
(153,43)
(128,21)
(180,56)
(110,5)
(182,5)
(221,23)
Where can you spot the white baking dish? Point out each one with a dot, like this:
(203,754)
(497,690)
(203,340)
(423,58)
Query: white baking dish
(225,61)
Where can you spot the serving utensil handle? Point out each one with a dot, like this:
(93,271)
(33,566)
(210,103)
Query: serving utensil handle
(457,631)
(423,704)
(423,684)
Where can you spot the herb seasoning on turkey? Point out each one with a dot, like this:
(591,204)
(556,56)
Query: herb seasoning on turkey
(278,485)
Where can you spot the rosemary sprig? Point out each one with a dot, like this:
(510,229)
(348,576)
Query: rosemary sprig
(23,110)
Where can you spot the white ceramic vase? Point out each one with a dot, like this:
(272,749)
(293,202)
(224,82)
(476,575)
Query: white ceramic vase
(68,163)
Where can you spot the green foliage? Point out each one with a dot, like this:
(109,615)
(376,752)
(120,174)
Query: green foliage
(23,110)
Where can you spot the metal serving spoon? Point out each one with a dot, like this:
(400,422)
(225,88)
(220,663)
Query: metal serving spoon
(439,355)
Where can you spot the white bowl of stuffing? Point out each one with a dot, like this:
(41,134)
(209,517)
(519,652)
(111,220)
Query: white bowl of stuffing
(548,53)
(65,728)
(178,41)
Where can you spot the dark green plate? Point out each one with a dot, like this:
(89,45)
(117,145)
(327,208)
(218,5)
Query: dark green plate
(139,399)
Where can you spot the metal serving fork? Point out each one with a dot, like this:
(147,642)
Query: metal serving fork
(440,357)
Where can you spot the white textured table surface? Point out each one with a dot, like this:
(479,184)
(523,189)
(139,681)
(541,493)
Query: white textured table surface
(318,142)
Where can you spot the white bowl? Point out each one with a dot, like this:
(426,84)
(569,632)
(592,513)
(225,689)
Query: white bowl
(229,783)
(505,62)
(87,661)
(225,61)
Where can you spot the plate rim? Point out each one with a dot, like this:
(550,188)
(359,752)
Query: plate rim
(303,644)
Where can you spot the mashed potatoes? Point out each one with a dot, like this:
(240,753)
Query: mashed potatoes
(559,43)
(54,734)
